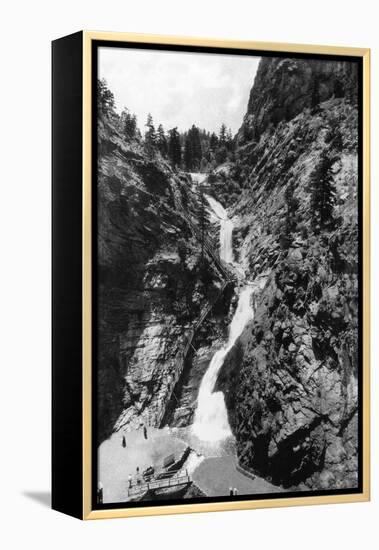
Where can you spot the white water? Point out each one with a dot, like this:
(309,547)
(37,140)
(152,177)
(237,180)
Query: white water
(197,177)
(211,418)
(226,230)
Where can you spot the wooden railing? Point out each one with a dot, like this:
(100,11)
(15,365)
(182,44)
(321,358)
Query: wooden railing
(141,488)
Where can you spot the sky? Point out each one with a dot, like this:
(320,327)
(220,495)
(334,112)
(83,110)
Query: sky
(179,88)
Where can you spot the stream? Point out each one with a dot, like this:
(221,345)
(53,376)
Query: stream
(211,418)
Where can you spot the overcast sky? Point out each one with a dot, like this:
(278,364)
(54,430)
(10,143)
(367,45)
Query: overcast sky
(180,89)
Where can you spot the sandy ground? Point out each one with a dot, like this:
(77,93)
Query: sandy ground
(117,462)
(214,474)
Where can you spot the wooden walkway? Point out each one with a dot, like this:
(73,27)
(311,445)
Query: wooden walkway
(142,488)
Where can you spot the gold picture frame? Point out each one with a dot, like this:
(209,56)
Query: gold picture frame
(85,508)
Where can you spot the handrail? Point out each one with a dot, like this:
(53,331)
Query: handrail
(159,484)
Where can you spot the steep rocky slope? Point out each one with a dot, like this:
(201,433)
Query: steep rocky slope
(291,383)
(153,283)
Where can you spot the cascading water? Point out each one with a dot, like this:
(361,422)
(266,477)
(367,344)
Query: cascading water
(211,418)
(226,230)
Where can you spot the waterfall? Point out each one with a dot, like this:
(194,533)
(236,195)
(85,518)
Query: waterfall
(211,417)
(197,177)
(226,230)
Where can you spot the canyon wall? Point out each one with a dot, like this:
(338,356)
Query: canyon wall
(291,383)
(153,281)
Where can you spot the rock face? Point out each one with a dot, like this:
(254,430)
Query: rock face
(284,87)
(153,283)
(291,383)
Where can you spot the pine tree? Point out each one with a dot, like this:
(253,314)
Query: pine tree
(162,141)
(213,142)
(196,147)
(323,193)
(150,136)
(229,140)
(222,134)
(192,149)
(128,124)
(105,98)
(221,154)
(174,147)
(187,157)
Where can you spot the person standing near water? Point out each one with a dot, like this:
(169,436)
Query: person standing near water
(145,432)
(123,441)
(130,480)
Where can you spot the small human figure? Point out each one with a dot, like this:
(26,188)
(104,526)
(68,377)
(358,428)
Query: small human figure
(100,493)
(235,492)
(123,441)
(145,432)
(230,491)
(130,480)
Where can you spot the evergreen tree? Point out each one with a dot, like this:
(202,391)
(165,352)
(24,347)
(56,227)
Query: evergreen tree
(221,154)
(196,147)
(162,141)
(105,98)
(187,156)
(323,193)
(229,140)
(213,142)
(150,136)
(128,124)
(222,134)
(174,147)
(192,149)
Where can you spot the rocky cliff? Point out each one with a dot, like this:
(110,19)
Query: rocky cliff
(153,280)
(291,383)
(284,87)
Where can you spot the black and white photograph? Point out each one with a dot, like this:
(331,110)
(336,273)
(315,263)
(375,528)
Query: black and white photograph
(227,295)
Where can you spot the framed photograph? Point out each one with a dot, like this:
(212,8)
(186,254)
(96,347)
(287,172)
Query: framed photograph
(210,275)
